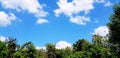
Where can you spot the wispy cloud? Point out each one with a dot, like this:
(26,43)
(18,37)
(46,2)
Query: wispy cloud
(105,2)
(41,21)
(79,20)
(108,3)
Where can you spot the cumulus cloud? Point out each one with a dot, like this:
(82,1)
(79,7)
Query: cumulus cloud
(3,39)
(62,45)
(79,20)
(102,31)
(41,21)
(73,8)
(32,6)
(6,19)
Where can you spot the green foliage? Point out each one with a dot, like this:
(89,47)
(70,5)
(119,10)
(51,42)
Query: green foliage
(97,39)
(26,51)
(63,53)
(81,45)
(41,53)
(11,44)
(114,25)
(50,51)
(3,50)
(100,52)
(96,49)
(81,49)
(80,54)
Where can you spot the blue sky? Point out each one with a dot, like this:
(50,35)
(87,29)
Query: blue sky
(51,21)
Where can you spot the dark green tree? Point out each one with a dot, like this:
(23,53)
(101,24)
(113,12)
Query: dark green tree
(114,25)
(30,49)
(3,50)
(81,45)
(63,53)
(51,51)
(27,50)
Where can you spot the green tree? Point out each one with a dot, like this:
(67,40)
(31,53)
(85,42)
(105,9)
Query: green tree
(41,53)
(68,51)
(27,50)
(11,45)
(114,25)
(3,50)
(98,51)
(30,49)
(63,53)
(81,49)
(81,45)
(51,51)
(97,39)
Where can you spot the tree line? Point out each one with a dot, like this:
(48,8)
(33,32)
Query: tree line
(100,47)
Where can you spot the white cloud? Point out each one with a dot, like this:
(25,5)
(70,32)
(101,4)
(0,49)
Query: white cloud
(37,47)
(102,31)
(62,45)
(32,6)
(79,20)
(73,8)
(3,39)
(41,21)
(6,19)
(108,3)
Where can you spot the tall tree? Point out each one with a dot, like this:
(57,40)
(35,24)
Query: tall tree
(114,25)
